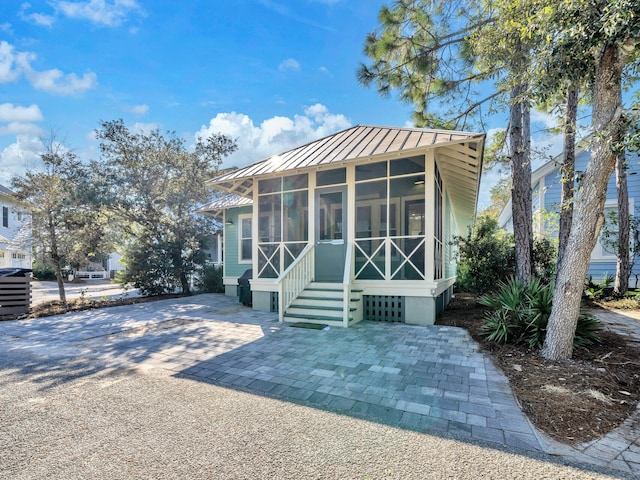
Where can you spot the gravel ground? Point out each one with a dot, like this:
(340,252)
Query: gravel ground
(70,419)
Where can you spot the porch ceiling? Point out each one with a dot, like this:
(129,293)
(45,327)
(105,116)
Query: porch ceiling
(460,166)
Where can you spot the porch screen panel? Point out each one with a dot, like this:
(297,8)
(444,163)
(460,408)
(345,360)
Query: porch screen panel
(295,213)
(408,247)
(390,212)
(282,222)
(371,214)
(269,234)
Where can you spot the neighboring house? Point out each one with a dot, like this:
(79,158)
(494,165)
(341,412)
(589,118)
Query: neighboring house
(355,225)
(546,190)
(15,231)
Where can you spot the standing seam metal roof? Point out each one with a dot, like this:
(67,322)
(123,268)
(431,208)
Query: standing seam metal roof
(360,141)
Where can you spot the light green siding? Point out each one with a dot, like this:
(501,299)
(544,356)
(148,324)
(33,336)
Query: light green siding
(232,268)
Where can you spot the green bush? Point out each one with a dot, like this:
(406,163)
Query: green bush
(43,272)
(486,256)
(520,315)
(211,279)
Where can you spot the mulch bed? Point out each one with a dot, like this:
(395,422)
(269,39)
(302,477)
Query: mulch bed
(573,401)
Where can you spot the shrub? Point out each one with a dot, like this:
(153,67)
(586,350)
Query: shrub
(520,315)
(43,272)
(210,279)
(486,256)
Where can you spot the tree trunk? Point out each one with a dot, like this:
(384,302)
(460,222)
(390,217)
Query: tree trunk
(55,258)
(520,140)
(568,171)
(588,207)
(623,266)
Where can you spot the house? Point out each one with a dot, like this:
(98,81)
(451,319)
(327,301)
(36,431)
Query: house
(546,187)
(356,225)
(15,232)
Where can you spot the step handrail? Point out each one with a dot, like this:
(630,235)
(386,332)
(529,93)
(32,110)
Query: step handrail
(295,279)
(346,284)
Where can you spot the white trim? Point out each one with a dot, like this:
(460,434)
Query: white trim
(598,254)
(244,261)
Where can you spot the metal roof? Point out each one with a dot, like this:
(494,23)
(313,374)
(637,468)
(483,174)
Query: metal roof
(458,154)
(216,207)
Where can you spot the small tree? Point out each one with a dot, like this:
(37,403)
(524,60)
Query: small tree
(63,221)
(151,184)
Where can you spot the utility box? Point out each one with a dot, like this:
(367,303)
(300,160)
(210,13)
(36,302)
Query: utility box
(15,290)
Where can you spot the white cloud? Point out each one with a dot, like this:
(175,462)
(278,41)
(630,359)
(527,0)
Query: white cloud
(326,71)
(100,12)
(19,120)
(274,135)
(18,128)
(144,128)
(37,18)
(136,109)
(6,27)
(11,113)
(14,64)
(289,65)
(19,156)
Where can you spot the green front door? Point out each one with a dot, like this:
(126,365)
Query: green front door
(331,223)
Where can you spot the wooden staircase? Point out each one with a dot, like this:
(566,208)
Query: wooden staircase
(322,303)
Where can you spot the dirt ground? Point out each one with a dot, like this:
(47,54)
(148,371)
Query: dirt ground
(572,401)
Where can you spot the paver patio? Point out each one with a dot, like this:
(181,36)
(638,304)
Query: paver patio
(428,379)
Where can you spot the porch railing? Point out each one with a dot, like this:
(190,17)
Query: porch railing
(295,278)
(349,268)
(390,258)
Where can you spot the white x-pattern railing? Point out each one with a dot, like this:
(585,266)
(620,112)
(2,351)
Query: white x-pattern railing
(274,255)
(385,245)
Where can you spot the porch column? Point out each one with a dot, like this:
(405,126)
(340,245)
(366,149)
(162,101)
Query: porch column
(311,202)
(429,214)
(255,231)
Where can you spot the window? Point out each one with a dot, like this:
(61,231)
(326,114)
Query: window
(244,239)
(5,216)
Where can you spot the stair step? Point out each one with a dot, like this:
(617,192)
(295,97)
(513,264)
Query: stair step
(328,299)
(319,307)
(321,318)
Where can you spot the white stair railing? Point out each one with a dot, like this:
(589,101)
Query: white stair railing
(295,278)
(346,284)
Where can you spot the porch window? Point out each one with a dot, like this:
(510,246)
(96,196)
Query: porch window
(282,222)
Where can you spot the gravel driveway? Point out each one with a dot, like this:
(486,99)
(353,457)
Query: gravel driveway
(99,396)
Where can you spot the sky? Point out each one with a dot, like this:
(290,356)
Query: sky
(273,74)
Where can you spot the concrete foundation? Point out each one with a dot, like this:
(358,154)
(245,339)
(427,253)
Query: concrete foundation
(419,310)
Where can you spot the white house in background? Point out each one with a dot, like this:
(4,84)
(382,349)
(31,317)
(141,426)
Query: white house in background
(546,187)
(15,232)
(357,225)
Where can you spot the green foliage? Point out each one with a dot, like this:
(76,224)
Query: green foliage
(43,272)
(211,279)
(151,184)
(65,223)
(544,253)
(486,256)
(520,315)
(598,291)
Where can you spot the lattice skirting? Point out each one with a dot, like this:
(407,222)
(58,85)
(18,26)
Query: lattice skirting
(384,308)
